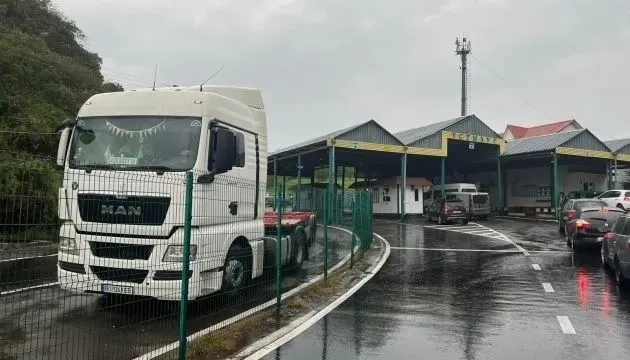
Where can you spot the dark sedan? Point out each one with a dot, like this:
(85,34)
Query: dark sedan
(570,208)
(589,224)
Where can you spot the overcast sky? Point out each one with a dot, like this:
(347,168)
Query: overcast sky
(326,64)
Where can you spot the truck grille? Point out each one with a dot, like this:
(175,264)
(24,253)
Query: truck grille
(122,275)
(480,199)
(135,210)
(121,251)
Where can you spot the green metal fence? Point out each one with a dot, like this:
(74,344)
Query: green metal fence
(138,261)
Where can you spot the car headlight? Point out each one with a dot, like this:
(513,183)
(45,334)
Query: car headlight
(175,253)
(68,245)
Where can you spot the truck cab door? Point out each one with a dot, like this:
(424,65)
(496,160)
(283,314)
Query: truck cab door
(233,193)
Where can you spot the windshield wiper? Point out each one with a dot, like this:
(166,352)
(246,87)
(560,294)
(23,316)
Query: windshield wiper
(88,168)
(159,169)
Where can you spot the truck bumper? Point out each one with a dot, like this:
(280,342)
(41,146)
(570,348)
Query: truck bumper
(152,277)
(168,289)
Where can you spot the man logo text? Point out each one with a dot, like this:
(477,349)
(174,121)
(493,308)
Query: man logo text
(120,210)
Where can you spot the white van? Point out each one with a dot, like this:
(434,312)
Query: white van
(459,188)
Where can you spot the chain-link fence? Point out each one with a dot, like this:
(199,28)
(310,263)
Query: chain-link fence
(101,263)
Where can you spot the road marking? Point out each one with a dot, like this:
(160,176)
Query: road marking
(174,345)
(304,325)
(27,258)
(548,288)
(536,267)
(493,234)
(525,218)
(28,288)
(565,324)
(455,249)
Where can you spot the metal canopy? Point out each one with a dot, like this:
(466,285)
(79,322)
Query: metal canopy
(579,142)
(430,136)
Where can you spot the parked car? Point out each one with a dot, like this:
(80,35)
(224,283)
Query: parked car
(616,250)
(449,209)
(479,205)
(571,206)
(589,225)
(616,198)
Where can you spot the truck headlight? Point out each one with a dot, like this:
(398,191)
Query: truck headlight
(175,253)
(68,245)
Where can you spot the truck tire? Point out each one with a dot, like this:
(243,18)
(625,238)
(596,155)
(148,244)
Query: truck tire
(299,248)
(237,270)
(312,227)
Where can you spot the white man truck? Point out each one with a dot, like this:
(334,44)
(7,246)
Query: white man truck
(125,158)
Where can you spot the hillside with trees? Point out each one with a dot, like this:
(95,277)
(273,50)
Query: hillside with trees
(45,75)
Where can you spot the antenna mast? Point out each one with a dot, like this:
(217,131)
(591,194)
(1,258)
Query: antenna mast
(154,76)
(463,49)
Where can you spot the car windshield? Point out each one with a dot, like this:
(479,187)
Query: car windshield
(135,143)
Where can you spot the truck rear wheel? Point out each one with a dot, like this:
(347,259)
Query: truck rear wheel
(237,269)
(299,249)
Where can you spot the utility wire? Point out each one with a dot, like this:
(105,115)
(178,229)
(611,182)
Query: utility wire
(508,85)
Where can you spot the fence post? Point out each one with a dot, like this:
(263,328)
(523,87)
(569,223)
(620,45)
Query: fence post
(185,266)
(353,230)
(327,195)
(279,249)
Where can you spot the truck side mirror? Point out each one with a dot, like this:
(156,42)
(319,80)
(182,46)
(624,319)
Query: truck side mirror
(223,151)
(62,149)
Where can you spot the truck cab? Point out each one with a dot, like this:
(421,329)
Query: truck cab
(125,160)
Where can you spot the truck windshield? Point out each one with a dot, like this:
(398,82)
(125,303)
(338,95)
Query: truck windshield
(135,143)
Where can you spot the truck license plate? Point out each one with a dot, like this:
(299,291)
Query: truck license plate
(117,289)
(457,212)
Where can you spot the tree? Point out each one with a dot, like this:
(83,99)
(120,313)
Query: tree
(45,76)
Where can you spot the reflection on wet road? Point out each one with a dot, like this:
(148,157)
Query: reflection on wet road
(489,303)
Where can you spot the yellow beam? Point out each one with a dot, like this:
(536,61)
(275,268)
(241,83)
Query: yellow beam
(623,157)
(441,152)
(360,145)
(446,135)
(426,151)
(584,153)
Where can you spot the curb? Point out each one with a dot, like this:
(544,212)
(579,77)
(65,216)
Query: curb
(286,295)
(266,345)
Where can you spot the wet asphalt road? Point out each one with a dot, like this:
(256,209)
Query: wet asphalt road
(49,323)
(481,300)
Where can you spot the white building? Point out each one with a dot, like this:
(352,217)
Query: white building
(385,195)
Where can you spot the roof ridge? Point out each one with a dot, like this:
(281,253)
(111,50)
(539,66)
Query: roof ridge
(552,134)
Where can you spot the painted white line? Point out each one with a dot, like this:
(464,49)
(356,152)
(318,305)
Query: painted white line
(474,231)
(565,324)
(305,325)
(505,238)
(526,218)
(172,346)
(551,251)
(460,250)
(548,288)
(27,258)
(536,267)
(28,288)
(485,233)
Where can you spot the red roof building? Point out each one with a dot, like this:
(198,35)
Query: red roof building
(513,132)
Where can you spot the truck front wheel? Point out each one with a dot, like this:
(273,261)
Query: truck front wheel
(237,268)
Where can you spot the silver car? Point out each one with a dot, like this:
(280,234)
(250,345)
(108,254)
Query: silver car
(616,250)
